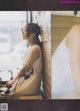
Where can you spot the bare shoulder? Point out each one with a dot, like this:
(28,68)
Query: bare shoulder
(75,33)
(36,50)
(75,30)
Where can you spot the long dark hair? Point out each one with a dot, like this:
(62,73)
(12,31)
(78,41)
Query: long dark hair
(34,28)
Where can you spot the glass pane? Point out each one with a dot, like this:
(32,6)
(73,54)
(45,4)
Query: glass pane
(12,46)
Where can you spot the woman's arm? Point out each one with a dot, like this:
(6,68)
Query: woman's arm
(74,55)
(34,55)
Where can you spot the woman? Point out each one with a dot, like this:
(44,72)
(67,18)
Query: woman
(25,83)
(66,66)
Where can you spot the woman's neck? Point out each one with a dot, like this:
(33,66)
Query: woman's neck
(31,43)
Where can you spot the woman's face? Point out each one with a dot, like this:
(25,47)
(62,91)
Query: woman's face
(25,37)
(24,33)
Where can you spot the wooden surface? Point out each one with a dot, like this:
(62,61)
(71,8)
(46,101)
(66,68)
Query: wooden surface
(30,97)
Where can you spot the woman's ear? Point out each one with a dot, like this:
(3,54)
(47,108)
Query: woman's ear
(33,34)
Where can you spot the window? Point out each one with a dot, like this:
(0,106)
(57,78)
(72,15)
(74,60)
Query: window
(12,46)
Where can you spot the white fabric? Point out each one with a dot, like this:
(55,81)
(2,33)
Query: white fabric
(62,81)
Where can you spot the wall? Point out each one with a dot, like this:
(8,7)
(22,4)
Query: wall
(60,26)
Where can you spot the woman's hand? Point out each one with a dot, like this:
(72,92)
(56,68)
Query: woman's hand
(9,84)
